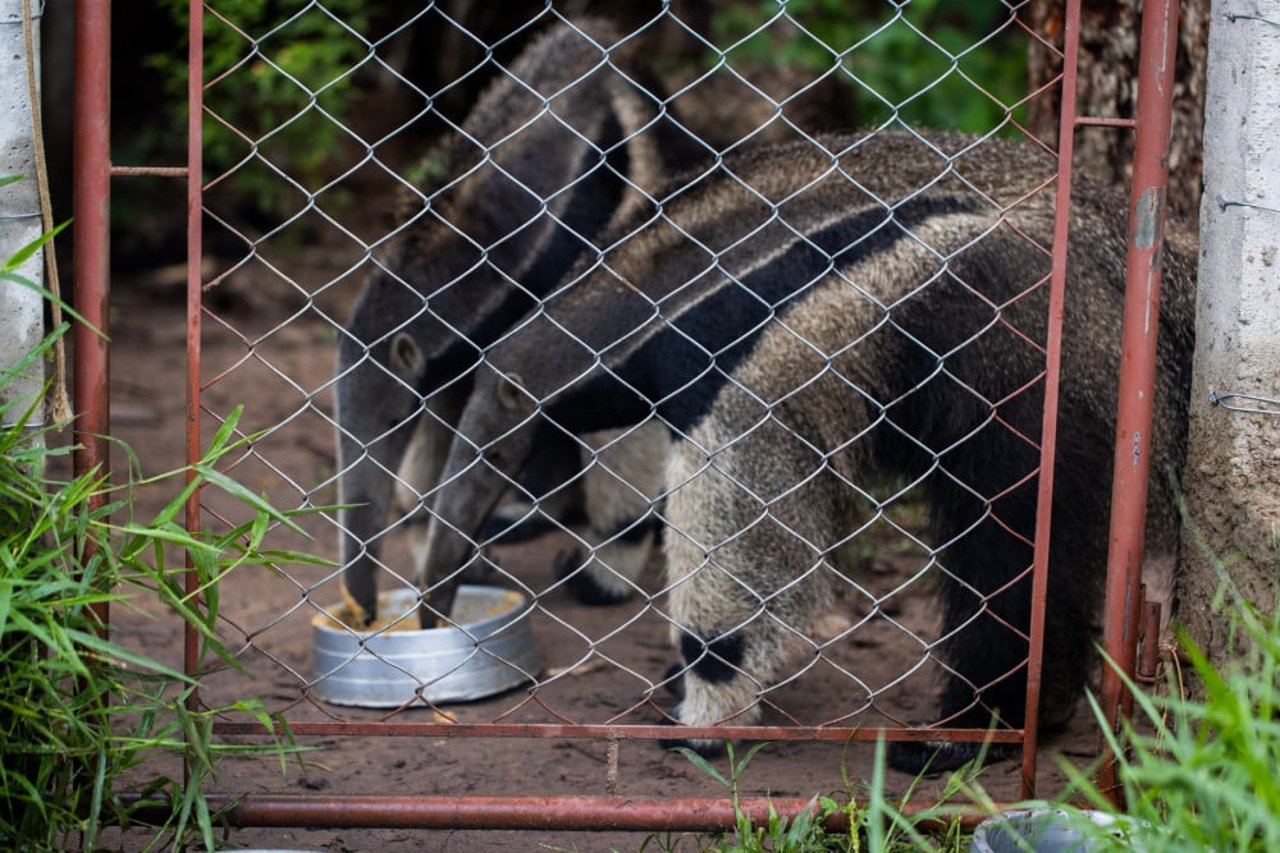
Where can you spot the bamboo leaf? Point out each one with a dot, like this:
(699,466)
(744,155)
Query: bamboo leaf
(146,536)
(108,649)
(21,256)
(238,491)
(702,764)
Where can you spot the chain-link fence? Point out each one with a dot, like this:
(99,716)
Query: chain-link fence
(689,371)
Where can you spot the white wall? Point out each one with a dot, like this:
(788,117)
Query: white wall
(1232,479)
(21,310)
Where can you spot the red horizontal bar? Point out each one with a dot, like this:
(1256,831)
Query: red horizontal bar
(1105,121)
(149,171)
(590,814)
(645,732)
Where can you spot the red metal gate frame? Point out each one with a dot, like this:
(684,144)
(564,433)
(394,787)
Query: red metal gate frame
(93,170)
(1154,122)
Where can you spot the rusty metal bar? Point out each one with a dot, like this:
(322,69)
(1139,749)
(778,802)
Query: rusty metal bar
(1053,361)
(1138,362)
(149,171)
(590,814)
(626,732)
(195,202)
(91,169)
(1104,121)
(1149,659)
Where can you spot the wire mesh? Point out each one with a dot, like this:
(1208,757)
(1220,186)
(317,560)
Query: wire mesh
(689,314)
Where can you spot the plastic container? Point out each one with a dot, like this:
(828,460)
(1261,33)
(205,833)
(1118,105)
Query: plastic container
(1042,830)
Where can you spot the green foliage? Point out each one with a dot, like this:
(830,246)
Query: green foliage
(927,63)
(77,710)
(802,833)
(279,90)
(1200,774)
(875,821)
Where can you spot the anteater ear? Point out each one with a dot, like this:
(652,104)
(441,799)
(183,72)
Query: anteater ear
(512,395)
(406,358)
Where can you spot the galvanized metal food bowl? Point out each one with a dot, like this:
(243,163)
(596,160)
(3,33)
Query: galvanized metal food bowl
(488,651)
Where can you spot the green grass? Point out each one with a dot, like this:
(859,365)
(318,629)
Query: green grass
(1200,773)
(79,712)
(871,819)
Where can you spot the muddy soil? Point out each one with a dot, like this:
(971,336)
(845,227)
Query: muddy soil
(269,346)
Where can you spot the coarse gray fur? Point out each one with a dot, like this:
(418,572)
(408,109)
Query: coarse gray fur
(563,143)
(825,329)
(602,488)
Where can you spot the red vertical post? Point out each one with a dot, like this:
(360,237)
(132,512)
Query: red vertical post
(195,203)
(91,174)
(1053,360)
(1138,360)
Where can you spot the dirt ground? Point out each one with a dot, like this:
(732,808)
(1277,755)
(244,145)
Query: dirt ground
(270,347)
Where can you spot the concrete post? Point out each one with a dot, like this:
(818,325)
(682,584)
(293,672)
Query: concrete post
(21,309)
(1232,479)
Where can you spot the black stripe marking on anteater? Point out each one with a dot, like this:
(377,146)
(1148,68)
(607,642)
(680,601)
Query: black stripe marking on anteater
(715,661)
(686,361)
(483,304)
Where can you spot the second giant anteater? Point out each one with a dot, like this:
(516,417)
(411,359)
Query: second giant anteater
(563,142)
